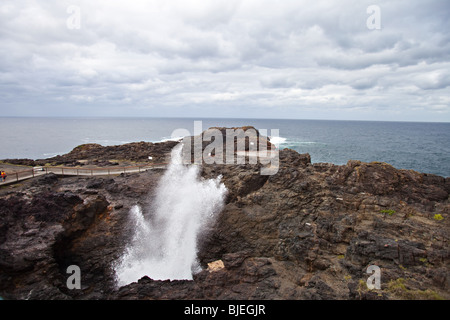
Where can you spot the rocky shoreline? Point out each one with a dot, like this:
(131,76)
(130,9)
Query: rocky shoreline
(93,154)
(310,231)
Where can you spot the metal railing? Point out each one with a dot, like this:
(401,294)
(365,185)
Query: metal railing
(75,171)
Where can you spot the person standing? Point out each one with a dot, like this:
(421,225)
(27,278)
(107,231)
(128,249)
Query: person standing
(3,174)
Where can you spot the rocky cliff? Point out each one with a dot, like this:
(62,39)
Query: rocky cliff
(95,154)
(310,231)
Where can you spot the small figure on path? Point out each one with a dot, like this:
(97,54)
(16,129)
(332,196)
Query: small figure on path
(3,174)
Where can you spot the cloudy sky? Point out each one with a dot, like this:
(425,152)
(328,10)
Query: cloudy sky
(214,58)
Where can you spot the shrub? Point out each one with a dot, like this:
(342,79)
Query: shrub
(399,288)
(389,212)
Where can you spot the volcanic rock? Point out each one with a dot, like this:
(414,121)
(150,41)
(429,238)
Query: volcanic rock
(310,231)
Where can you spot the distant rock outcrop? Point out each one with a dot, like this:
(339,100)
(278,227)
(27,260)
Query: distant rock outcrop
(96,154)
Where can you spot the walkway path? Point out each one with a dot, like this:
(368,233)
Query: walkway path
(14,177)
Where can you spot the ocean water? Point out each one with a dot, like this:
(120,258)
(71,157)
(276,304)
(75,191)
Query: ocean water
(420,146)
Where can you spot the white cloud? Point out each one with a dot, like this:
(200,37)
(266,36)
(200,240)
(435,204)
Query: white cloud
(155,57)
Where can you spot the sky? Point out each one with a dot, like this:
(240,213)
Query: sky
(283,59)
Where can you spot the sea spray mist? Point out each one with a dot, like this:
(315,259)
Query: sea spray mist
(164,245)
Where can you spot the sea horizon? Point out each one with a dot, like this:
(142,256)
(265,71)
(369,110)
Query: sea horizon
(420,146)
(225,118)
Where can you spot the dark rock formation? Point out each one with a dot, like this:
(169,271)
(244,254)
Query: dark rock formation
(99,155)
(236,139)
(36,235)
(307,232)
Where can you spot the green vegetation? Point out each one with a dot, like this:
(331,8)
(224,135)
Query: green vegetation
(438,217)
(398,288)
(389,212)
(362,287)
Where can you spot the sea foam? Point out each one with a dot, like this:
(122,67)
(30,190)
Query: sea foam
(277,141)
(164,244)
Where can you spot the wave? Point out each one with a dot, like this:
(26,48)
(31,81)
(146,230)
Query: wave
(53,154)
(165,246)
(277,140)
(170,139)
(282,142)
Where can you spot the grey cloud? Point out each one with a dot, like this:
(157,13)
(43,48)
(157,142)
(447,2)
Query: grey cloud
(277,82)
(363,84)
(197,55)
(433,81)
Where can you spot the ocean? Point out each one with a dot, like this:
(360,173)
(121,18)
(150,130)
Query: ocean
(424,147)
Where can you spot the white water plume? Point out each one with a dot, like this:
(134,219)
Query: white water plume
(164,245)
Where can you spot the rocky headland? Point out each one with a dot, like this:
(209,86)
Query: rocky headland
(310,231)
